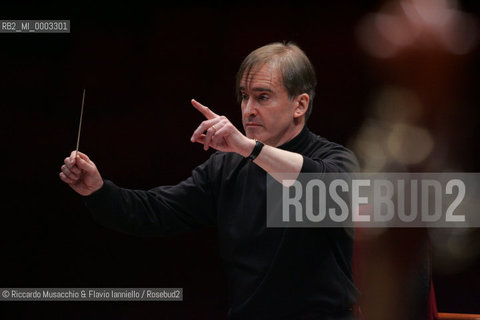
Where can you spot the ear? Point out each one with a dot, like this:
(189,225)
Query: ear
(301,105)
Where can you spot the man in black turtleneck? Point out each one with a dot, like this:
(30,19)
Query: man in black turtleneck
(273,273)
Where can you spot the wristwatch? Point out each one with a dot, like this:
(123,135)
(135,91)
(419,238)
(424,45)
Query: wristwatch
(256,150)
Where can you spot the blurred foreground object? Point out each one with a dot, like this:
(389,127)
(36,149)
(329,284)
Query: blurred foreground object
(418,25)
(419,50)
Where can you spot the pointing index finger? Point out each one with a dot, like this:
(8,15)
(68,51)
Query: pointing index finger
(207,113)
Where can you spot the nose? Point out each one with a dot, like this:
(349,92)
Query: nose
(249,108)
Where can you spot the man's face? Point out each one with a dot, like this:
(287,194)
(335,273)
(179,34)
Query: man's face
(267,111)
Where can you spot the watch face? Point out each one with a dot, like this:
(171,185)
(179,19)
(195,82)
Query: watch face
(256,150)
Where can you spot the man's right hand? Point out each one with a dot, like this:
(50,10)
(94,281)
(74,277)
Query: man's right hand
(81,174)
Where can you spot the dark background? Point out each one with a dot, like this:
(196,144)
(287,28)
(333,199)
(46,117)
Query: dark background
(141,64)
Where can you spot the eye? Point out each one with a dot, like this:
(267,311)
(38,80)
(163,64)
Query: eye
(263,97)
(244,96)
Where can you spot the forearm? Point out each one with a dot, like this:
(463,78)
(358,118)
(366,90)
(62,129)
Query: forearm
(280,164)
(135,212)
(122,210)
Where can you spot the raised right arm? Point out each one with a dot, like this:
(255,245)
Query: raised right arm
(163,210)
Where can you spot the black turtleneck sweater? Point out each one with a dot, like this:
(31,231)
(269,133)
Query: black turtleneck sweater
(273,273)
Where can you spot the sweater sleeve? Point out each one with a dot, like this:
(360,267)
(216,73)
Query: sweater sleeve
(330,158)
(163,210)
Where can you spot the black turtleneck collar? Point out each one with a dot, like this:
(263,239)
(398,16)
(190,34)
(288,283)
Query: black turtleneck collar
(298,142)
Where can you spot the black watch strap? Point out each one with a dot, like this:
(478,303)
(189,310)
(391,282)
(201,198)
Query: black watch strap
(256,150)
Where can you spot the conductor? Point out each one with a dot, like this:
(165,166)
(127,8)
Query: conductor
(273,273)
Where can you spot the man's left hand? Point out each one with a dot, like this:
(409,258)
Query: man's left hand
(219,133)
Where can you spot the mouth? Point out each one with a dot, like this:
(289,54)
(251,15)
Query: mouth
(252,125)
